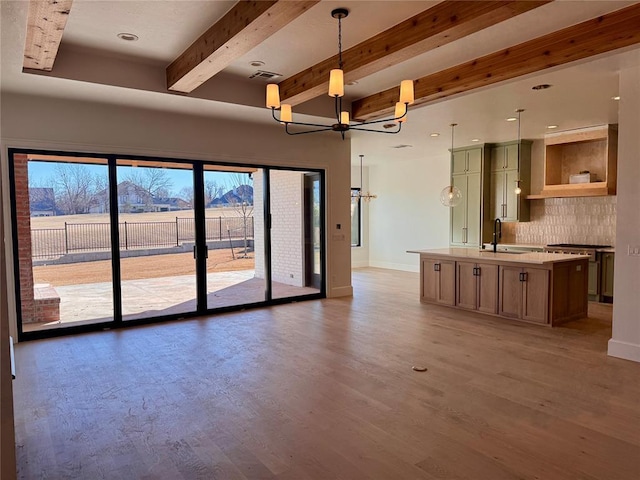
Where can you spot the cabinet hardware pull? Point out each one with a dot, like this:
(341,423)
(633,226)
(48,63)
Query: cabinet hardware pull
(436,267)
(521,275)
(477,271)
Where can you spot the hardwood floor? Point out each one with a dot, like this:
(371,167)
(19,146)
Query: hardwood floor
(325,390)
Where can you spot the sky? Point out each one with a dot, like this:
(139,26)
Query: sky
(41,174)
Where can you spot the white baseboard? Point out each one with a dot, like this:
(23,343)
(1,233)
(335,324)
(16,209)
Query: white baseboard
(340,292)
(628,351)
(361,264)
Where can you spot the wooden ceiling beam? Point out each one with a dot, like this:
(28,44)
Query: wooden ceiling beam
(603,34)
(46,20)
(245,26)
(443,23)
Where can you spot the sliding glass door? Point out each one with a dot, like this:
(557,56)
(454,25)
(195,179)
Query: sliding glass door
(64,241)
(232,246)
(102,240)
(157,240)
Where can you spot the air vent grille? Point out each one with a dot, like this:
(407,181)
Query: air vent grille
(265,75)
(402,145)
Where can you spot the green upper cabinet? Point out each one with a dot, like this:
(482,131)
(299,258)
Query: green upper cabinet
(507,167)
(469,174)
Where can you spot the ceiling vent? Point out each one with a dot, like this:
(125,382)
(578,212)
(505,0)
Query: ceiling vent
(402,145)
(266,75)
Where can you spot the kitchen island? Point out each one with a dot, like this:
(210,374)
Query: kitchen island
(543,288)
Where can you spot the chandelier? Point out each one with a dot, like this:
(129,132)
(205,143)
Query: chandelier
(358,195)
(336,90)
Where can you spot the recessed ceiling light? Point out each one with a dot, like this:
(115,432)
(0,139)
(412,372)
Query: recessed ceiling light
(511,119)
(475,139)
(542,86)
(551,127)
(128,37)
(617,97)
(352,82)
(256,63)
(434,134)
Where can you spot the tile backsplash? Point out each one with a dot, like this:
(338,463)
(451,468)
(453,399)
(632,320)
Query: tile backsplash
(587,220)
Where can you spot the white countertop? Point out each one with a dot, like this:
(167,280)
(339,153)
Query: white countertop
(477,255)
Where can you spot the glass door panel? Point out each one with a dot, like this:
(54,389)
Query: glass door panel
(234,236)
(156,223)
(296,251)
(64,236)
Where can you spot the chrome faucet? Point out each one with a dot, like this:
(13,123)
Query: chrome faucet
(497,233)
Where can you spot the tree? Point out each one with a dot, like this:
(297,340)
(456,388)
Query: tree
(73,186)
(212,190)
(186,194)
(155,181)
(240,197)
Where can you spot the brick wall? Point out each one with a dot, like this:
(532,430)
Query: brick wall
(24,238)
(287,236)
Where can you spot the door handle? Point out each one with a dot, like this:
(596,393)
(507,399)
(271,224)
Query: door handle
(195,253)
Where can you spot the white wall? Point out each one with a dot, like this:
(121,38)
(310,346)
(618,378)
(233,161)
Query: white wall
(360,255)
(407,215)
(50,123)
(625,341)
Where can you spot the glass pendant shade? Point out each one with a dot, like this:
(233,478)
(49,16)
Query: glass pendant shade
(344,118)
(450,196)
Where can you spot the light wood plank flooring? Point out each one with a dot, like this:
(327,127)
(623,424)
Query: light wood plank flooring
(325,390)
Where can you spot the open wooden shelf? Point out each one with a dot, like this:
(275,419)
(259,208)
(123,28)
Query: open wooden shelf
(593,149)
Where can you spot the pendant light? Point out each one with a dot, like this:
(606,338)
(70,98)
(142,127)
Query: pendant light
(518,189)
(451,196)
(367,197)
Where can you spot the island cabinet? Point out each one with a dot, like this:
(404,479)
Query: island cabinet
(536,287)
(477,286)
(524,293)
(437,282)
(468,173)
(508,167)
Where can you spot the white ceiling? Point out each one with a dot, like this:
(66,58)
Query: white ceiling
(580,96)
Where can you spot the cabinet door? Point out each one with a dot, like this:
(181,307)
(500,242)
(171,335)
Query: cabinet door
(447,282)
(497,159)
(467,291)
(474,160)
(474,210)
(487,280)
(511,199)
(536,295)
(511,157)
(496,200)
(459,213)
(510,295)
(607,274)
(429,280)
(459,164)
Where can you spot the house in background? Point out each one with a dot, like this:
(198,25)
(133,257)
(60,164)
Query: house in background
(42,202)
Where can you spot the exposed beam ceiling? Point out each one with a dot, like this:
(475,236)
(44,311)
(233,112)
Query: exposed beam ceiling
(45,25)
(245,26)
(443,23)
(603,34)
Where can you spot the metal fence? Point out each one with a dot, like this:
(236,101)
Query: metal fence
(88,237)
